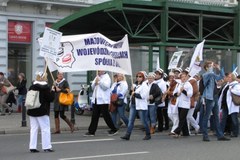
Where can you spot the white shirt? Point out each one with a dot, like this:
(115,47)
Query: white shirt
(184,101)
(101,92)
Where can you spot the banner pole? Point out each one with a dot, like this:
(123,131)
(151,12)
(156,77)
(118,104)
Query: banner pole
(46,59)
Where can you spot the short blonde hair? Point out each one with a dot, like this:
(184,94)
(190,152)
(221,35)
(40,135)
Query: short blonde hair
(122,75)
(42,77)
(233,77)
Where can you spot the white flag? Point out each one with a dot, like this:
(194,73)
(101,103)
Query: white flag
(196,59)
(158,64)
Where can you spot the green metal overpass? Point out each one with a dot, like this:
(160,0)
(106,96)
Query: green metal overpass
(159,23)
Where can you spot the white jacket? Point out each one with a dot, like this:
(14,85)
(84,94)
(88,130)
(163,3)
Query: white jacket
(234,87)
(102,91)
(183,100)
(163,86)
(142,104)
(122,89)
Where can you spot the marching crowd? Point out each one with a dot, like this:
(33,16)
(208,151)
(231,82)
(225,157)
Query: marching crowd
(189,102)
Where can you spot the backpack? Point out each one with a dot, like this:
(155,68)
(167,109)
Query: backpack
(32,100)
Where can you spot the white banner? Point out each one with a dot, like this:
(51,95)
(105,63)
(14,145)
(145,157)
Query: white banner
(50,43)
(90,52)
(175,59)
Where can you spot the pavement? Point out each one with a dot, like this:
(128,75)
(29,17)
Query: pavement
(12,124)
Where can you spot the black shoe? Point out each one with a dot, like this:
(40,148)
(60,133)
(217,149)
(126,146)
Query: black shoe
(233,136)
(34,150)
(206,139)
(147,137)
(112,132)
(223,139)
(88,134)
(126,137)
(48,150)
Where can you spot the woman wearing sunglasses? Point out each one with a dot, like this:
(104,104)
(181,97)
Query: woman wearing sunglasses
(139,96)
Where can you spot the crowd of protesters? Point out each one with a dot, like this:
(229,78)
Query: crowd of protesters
(178,103)
(188,102)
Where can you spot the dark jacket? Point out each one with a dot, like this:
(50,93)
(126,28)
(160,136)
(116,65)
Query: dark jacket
(45,97)
(21,86)
(155,91)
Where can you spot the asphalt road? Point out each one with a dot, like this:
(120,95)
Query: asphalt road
(103,147)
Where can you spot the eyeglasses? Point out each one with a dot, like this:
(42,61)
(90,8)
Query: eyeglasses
(138,76)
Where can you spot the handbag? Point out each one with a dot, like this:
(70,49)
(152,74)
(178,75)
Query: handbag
(115,100)
(9,89)
(66,99)
(235,99)
(112,107)
(32,100)
(114,97)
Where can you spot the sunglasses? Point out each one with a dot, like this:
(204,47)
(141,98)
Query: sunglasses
(138,76)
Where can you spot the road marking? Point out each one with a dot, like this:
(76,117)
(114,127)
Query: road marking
(106,155)
(83,141)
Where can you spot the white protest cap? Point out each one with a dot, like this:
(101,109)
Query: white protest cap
(177,70)
(165,75)
(187,69)
(160,70)
(39,73)
(235,72)
(151,74)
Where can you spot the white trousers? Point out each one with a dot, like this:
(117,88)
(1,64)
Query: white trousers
(44,123)
(175,120)
(191,121)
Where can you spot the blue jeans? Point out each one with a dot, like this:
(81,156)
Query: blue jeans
(132,115)
(20,100)
(211,106)
(235,123)
(152,110)
(121,111)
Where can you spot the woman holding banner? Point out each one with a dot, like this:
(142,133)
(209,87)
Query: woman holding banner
(101,100)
